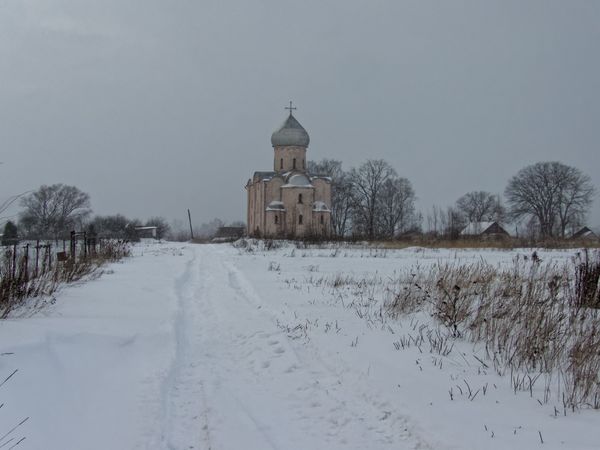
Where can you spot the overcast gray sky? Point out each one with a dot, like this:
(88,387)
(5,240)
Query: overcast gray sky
(146,104)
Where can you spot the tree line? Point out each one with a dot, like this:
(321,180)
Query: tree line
(53,211)
(548,200)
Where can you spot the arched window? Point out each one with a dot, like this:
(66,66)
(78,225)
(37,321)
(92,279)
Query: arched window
(276,220)
(322,219)
(300,219)
(299,198)
(294,163)
(303,164)
(281,163)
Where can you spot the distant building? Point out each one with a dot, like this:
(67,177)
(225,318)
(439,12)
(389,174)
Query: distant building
(146,232)
(484,230)
(227,234)
(288,201)
(585,234)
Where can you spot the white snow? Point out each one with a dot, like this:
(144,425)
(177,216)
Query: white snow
(298,180)
(320,206)
(211,347)
(276,205)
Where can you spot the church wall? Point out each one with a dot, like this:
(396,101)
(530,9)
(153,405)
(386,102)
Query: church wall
(262,206)
(288,154)
(275,227)
(256,209)
(274,189)
(321,223)
(322,191)
(295,210)
(249,212)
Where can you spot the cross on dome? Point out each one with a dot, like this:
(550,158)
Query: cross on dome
(290,107)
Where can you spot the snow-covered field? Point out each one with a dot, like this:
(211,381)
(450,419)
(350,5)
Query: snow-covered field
(212,347)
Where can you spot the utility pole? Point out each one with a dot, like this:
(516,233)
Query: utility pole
(190,220)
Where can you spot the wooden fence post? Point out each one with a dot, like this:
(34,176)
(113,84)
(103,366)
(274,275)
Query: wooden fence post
(37,258)
(14,262)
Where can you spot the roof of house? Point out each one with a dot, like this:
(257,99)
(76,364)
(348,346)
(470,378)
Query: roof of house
(585,232)
(477,228)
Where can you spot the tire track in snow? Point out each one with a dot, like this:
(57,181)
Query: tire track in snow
(330,389)
(182,394)
(238,381)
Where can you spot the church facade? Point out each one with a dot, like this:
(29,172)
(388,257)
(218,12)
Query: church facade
(289,202)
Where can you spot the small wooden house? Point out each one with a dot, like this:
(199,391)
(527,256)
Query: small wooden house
(585,234)
(147,232)
(484,230)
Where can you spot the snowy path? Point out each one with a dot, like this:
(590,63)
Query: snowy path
(238,382)
(176,350)
(207,347)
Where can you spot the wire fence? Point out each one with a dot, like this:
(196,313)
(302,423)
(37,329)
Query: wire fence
(35,268)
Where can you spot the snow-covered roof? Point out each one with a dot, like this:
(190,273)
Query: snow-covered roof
(475,228)
(321,177)
(320,206)
(276,205)
(298,180)
(584,233)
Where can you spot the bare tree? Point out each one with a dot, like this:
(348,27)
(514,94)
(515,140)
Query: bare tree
(396,209)
(555,194)
(576,194)
(208,229)
(368,181)
(52,210)
(478,206)
(453,222)
(11,234)
(342,196)
(7,203)
(434,220)
(161,224)
(446,222)
(110,226)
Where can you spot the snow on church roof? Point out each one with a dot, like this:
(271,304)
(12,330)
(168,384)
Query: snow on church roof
(298,180)
(320,206)
(276,205)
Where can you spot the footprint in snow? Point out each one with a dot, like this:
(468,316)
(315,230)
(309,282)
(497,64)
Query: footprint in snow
(291,369)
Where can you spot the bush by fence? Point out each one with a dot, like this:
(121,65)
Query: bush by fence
(32,269)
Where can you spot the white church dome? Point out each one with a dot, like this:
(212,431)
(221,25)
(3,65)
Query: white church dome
(291,133)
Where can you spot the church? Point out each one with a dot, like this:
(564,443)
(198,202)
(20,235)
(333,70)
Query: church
(289,202)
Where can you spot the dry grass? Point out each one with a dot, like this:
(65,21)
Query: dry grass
(533,318)
(507,244)
(538,322)
(20,280)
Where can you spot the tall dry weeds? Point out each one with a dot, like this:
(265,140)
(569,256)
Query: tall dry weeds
(531,318)
(19,280)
